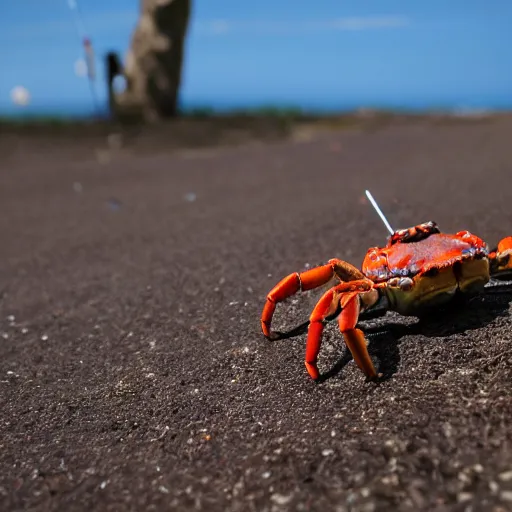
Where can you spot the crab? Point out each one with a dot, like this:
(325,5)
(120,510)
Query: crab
(419,269)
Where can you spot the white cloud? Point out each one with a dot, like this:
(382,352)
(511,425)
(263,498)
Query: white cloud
(224,26)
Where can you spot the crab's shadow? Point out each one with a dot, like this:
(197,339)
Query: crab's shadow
(459,317)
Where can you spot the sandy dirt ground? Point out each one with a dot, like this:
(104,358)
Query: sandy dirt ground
(133,373)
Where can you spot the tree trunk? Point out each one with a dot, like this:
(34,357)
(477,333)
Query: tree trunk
(154,62)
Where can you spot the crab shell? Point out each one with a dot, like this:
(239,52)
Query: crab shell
(424,268)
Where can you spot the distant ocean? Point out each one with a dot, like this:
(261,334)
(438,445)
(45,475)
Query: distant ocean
(86,109)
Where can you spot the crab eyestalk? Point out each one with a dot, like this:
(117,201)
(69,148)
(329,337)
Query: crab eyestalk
(501,258)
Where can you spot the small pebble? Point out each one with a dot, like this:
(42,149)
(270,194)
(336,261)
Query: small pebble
(280,499)
(327,452)
(266,474)
(24,330)
(494,487)
(103,484)
(11,318)
(506,496)
(464,496)
(506,476)
(44,337)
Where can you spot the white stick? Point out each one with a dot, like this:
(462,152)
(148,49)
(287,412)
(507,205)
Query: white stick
(379,211)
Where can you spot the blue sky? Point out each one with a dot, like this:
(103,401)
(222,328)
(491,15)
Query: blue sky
(326,53)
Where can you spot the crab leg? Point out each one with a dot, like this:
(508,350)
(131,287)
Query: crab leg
(501,258)
(304,281)
(347,295)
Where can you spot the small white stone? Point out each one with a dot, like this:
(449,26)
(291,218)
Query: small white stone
(280,499)
(327,452)
(506,495)
(5,335)
(333,433)
(506,476)
(11,318)
(464,496)
(24,330)
(44,337)
(163,489)
(266,474)
(103,484)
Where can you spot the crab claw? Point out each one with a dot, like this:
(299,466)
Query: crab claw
(502,258)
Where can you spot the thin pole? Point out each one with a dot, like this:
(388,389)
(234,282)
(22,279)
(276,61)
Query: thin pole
(379,211)
(88,50)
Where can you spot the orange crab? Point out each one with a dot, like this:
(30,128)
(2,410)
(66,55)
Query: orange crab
(419,268)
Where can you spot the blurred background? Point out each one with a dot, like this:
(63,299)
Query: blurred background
(323,56)
(136,258)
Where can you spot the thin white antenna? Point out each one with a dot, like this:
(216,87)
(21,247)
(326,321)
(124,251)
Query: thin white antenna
(379,211)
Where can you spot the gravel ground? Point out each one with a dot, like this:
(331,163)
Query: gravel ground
(133,373)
